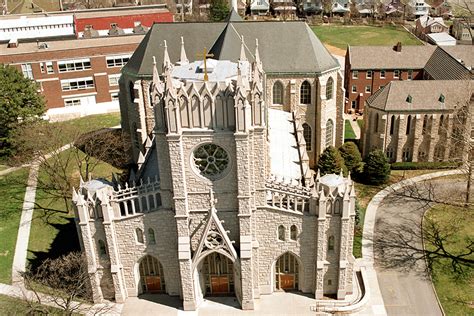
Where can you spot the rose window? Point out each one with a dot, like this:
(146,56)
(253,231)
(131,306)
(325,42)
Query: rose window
(211,160)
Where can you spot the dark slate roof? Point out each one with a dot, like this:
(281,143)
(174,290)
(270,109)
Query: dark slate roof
(284,47)
(425,95)
(385,57)
(462,53)
(442,66)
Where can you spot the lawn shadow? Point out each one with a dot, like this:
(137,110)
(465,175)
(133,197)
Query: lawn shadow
(66,241)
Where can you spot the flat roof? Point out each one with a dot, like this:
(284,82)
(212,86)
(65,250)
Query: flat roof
(71,44)
(100,14)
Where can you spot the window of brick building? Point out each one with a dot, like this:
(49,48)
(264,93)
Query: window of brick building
(73,65)
(117,61)
(49,67)
(72,102)
(368,74)
(355,74)
(354,88)
(410,74)
(382,74)
(77,84)
(396,74)
(368,89)
(27,71)
(114,79)
(353,104)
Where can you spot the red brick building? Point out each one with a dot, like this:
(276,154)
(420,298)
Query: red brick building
(76,76)
(369,68)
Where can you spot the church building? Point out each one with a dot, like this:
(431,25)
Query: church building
(224,199)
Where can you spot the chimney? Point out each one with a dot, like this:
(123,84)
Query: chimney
(398,47)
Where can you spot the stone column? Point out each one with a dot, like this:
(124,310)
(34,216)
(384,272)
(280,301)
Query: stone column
(402,137)
(243,153)
(115,264)
(417,136)
(89,250)
(321,247)
(177,164)
(449,129)
(434,136)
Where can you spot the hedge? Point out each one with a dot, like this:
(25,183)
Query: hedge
(425,165)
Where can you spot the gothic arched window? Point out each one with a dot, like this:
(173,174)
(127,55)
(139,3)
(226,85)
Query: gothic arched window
(102,248)
(331,243)
(392,124)
(151,236)
(305,93)
(183,108)
(329,132)
(408,125)
(281,232)
(293,232)
(139,235)
(278,93)
(307,136)
(329,88)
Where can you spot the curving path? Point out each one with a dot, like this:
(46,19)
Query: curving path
(405,286)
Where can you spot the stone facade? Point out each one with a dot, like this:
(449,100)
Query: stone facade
(203,213)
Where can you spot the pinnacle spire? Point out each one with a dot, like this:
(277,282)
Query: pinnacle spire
(157,84)
(166,57)
(257,54)
(183,59)
(243,57)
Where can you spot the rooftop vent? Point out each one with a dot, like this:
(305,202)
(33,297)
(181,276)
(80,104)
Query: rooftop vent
(409,99)
(43,45)
(13,43)
(441,98)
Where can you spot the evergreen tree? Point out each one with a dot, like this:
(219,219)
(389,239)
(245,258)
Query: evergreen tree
(330,161)
(218,10)
(352,158)
(19,102)
(376,168)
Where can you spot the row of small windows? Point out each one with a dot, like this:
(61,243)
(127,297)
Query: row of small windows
(151,239)
(31,28)
(140,205)
(427,124)
(305,92)
(369,74)
(282,233)
(77,84)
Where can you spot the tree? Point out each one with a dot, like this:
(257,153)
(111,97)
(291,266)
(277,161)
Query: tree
(19,102)
(64,280)
(330,161)
(218,10)
(376,168)
(61,170)
(352,158)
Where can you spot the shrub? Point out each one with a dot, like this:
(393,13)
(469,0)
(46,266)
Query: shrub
(425,165)
(330,161)
(376,168)
(352,158)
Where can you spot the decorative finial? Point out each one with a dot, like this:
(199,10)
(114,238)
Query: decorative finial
(166,57)
(212,200)
(183,59)
(242,51)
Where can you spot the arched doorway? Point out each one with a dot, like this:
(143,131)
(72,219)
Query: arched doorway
(151,275)
(217,275)
(287,272)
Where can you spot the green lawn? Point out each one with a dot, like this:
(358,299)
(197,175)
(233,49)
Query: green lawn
(13,306)
(455,293)
(93,122)
(348,130)
(341,36)
(12,191)
(54,233)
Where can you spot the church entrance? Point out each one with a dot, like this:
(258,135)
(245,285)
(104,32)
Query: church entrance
(151,275)
(286,272)
(218,274)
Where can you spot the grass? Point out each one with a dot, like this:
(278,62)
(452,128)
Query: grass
(14,306)
(54,233)
(365,193)
(456,293)
(348,130)
(12,191)
(341,36)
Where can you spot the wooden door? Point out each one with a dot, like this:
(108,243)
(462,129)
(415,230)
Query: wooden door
(219,285)
(153,284)
(287,281)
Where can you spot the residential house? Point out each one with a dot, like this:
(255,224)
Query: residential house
(419,8)
(426,25)
(463,30)
(259,7)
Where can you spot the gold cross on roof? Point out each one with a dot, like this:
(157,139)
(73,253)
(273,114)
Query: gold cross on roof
(204,55)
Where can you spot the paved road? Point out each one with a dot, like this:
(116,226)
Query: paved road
(404,283)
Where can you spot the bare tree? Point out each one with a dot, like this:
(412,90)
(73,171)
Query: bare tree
(66,155)
(62,282)
(467,17)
